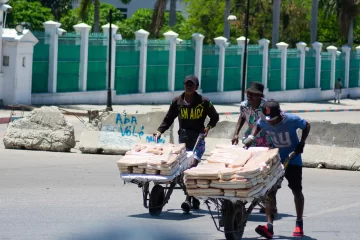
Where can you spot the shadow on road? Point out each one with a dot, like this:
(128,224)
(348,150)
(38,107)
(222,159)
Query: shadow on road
(282,238)
(259,217)
(171,215)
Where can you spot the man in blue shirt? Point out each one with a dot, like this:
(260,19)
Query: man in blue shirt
(282,129)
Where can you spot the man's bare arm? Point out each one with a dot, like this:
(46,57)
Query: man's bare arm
(305,132)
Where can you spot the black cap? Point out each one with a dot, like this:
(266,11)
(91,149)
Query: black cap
(192,78)
(271,110)
(256,87)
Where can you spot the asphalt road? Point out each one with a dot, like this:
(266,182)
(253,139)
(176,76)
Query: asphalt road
(47,195)
(59,195)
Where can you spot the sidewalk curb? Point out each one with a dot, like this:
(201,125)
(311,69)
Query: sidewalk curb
(5,120)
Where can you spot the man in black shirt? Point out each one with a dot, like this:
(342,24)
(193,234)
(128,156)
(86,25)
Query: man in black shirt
(191,109)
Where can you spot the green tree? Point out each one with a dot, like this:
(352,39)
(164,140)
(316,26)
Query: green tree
(72,18)
(329,29)
(141,19)
(58,7)
(86,4)
(31,12)
(295,18)
(346,12)
(206,17)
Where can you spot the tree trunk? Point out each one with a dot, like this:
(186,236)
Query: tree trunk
(276,23)
(226,22)
(172,16)
(314,21)
(96,16)
(158,17)
(351,34)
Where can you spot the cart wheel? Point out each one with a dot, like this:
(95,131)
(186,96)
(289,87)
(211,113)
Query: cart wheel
(234,224)
(157,197)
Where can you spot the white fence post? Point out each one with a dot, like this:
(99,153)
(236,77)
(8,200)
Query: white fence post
(199,38)
(347,50)
(106,30)
(220,41)
(241,44)
(265,61)
(51,28)
(142,36)
(317,46)
(171,37)
(283,48)
(301,47)
(332,50)
(84,30)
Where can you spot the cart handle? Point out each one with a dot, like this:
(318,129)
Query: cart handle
(200,137)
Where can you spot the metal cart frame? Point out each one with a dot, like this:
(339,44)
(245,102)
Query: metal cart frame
(160,193)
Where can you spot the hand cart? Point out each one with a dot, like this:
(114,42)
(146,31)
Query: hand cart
(163,185)
(232,213)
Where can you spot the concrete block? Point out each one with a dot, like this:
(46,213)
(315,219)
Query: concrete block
(118,132)
(331,157)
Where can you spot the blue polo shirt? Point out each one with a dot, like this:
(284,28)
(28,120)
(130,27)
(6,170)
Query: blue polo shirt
(284,135)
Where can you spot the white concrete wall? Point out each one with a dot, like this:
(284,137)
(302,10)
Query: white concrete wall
(90,97)
(99,97)
(146,98)
(17,74)
(2,86)
(23,80)
(9,73)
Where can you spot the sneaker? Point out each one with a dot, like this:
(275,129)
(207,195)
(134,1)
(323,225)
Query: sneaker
(264,232)
(298,232)
(195,204)
(186,206)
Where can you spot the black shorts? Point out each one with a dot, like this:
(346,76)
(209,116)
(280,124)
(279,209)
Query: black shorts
(293,174)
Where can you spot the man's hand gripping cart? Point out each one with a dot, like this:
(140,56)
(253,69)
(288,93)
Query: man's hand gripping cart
(163,186)
(231,213)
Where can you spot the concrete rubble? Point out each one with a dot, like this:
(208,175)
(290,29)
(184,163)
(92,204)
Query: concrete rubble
(43,129)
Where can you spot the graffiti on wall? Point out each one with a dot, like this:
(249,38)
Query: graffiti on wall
(108,139)
(129,131)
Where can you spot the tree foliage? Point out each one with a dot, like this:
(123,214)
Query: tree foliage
(58,7)
(72,17)
(205,17)
(31,12)
(345,11)
(142,19)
